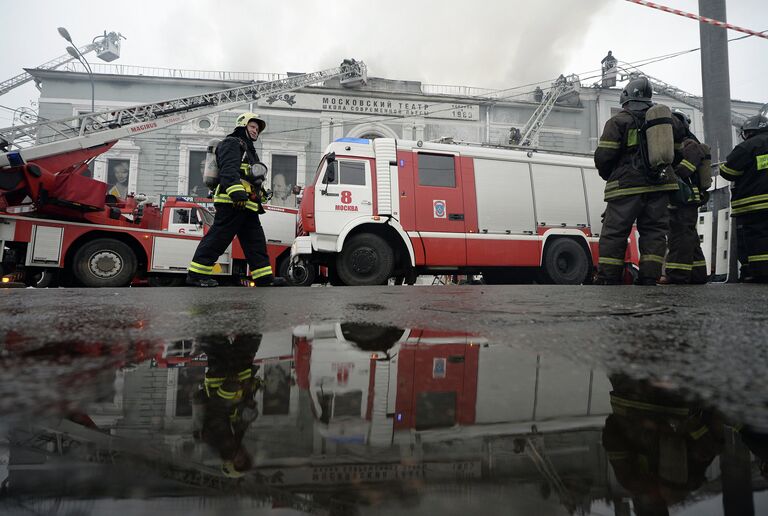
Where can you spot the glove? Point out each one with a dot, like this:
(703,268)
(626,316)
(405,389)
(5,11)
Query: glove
(239,199)
(693,152)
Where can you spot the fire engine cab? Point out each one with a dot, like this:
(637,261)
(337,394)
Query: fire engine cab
(385,208)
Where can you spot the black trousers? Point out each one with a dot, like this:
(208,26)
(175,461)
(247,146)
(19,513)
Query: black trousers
(755,235)
(228,223)
(685,261)
(652,216)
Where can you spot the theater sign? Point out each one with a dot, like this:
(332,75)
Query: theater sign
(372,106)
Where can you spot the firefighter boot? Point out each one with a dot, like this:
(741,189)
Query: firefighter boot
(199,280)
(271,281)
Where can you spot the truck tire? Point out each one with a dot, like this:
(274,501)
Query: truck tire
(366,259)
(104,262)
(566,262)
(303,273)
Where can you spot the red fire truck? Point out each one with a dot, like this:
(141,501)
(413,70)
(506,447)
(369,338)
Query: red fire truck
(55,220)
(387,208)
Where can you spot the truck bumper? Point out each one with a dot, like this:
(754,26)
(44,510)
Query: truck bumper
(301,246)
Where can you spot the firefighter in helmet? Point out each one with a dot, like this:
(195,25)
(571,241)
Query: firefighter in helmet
(685,261)
(659,445)
(633,191)
(747,167)
(238,199)
(225,407)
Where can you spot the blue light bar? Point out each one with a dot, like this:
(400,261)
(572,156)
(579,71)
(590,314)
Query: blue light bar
(364,141)
(15,159)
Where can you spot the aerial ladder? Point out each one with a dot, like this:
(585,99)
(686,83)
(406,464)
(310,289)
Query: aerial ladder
(529,134)
(663,88)
(43,141)
(65,440)
(107,48)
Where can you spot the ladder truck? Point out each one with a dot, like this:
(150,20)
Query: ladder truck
(56,222)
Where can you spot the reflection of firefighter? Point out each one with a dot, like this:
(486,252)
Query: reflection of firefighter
(658,445)
(225,406)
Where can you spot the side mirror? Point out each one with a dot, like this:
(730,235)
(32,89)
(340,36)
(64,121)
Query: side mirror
(330,173)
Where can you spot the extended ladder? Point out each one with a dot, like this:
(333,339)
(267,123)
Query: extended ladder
(530,132)
(101,43)
(27,142)
(662,88)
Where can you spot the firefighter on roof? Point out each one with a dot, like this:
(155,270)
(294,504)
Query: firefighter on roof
(238,199)
(685,261)
(637,183)
(747,167)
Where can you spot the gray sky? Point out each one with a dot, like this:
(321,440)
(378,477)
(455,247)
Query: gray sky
(486,43)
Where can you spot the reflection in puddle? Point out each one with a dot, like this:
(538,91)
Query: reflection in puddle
(347,418)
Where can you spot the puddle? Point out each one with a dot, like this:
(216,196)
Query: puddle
(351,418)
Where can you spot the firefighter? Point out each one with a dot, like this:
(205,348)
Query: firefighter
(633,191)
(685,262)
(747,167)
(224,407)
(659,446)
(237,199)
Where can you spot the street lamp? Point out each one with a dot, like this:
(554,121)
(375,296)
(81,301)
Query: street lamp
(74,52)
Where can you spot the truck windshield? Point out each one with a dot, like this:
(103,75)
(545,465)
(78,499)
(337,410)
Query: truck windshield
(320,168)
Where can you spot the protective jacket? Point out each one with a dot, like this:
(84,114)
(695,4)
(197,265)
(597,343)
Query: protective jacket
(747,167)
(619,161)
(235,156)
(228,392)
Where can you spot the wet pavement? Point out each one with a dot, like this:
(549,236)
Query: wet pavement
(412,400)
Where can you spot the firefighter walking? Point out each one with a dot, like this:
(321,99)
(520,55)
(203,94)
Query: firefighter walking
(685,262)
(237,199)
(747,167)
(634,191)
(225,407)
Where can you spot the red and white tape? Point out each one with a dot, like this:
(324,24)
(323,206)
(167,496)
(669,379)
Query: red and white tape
(702,19)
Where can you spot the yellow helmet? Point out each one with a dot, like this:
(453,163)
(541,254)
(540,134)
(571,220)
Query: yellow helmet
(243,120)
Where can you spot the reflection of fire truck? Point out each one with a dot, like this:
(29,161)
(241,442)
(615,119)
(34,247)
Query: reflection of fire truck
(53,219)
(378,385)
(383,208)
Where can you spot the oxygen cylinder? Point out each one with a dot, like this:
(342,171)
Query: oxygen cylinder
(659,137)
(211,169)
(705,169)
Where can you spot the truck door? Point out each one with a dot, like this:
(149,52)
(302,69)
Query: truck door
(437,384)
(439,208)
(185,221)
(346,196)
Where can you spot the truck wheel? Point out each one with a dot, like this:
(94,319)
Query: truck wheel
(105,262)
(566,263)
(301,275)
(366,259)
(40,278)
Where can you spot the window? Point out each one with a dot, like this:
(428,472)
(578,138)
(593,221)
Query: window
(348,173)
(436,170)
(283,180)
(181,216)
